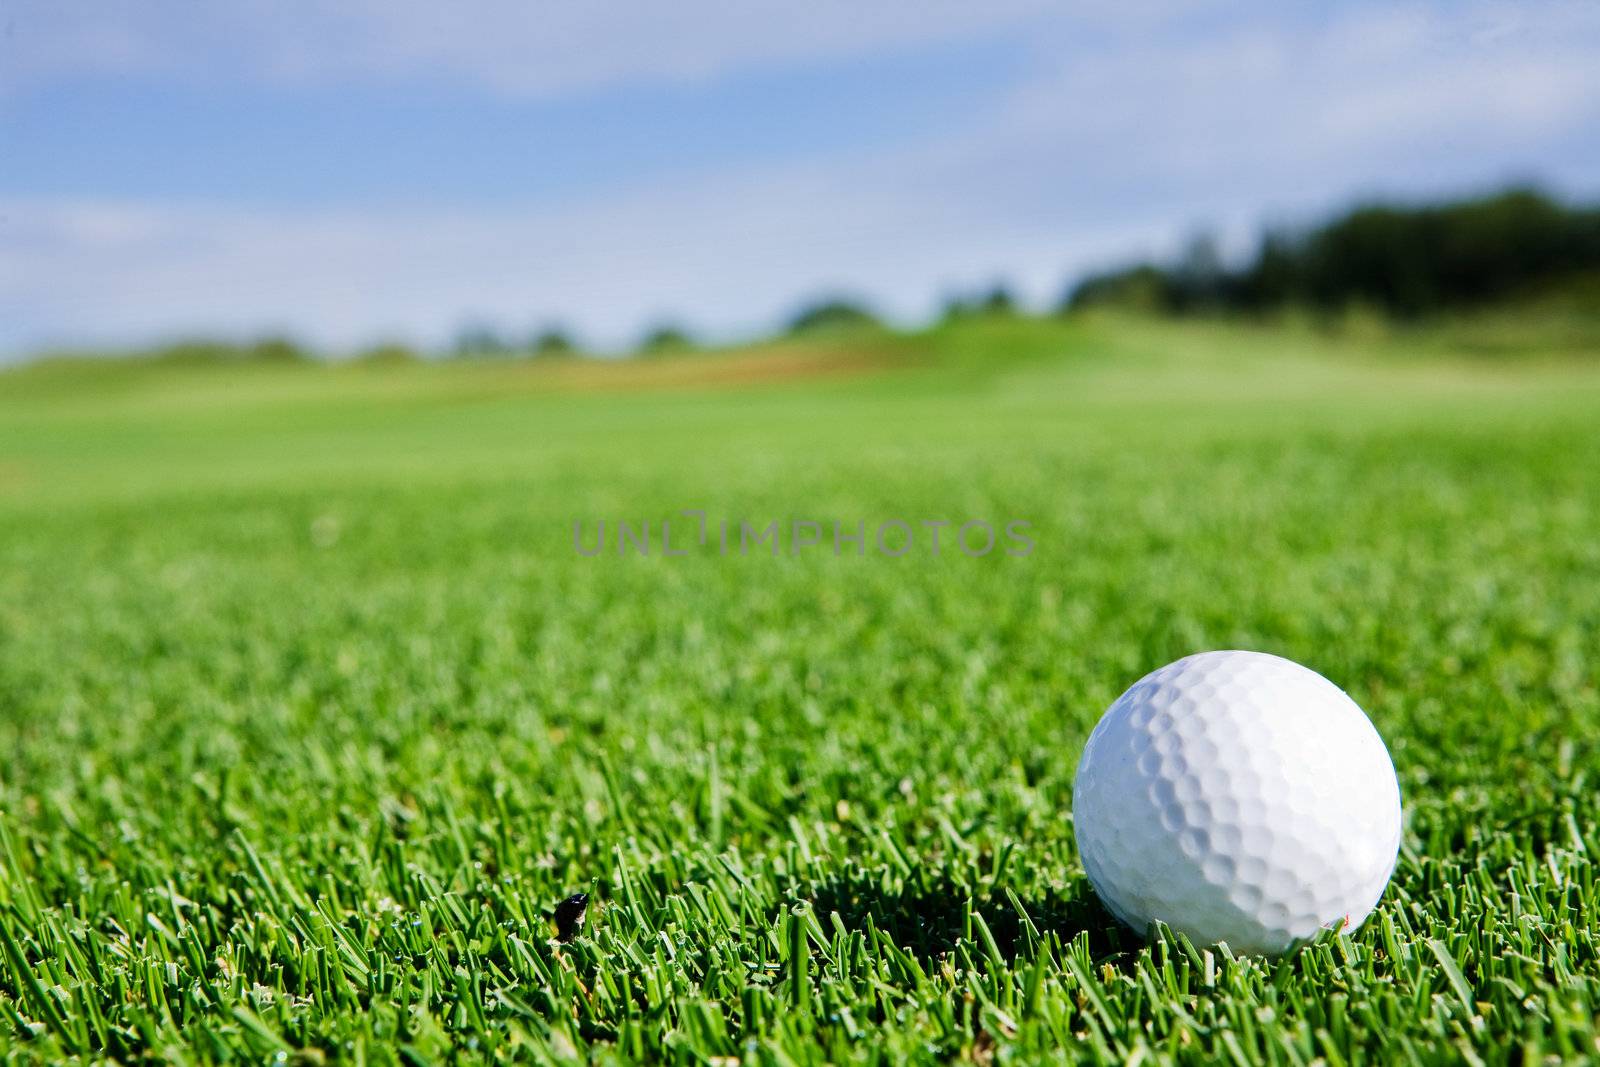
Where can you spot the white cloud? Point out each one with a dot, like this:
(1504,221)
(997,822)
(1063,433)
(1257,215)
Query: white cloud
(518,46)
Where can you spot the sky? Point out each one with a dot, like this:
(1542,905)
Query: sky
(373,170)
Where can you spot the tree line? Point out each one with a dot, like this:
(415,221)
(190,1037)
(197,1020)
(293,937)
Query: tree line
(1406,260)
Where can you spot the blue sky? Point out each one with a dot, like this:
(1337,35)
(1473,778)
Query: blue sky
(379,169)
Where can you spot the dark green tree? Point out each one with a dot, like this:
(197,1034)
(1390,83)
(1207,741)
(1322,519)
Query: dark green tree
(665,339)
(552,341)
(998,301)
(833,315)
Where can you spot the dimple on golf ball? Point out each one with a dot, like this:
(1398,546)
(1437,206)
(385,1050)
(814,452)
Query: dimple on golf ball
(1237,797)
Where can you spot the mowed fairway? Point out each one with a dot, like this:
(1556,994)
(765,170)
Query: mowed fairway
(310,714)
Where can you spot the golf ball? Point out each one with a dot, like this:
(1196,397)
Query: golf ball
(1237,797)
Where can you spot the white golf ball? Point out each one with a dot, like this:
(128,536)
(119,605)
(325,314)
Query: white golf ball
(1237,797)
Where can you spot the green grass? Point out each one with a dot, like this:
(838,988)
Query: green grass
(312,715)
